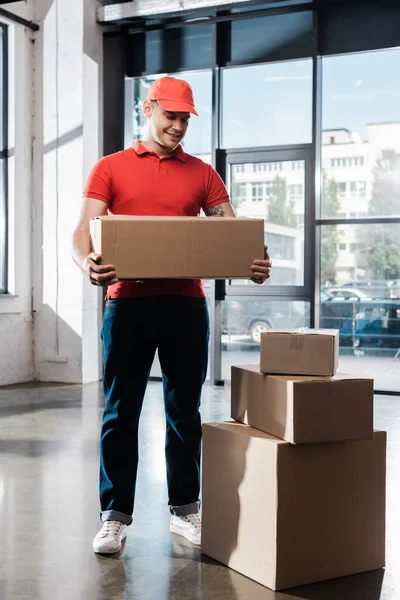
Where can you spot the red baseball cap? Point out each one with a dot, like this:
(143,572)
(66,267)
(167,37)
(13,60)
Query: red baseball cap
(173,95)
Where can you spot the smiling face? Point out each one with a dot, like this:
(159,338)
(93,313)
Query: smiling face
(165,129)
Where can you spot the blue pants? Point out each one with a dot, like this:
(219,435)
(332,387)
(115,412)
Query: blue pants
(133,329)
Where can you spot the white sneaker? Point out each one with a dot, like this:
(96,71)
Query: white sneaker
(188,526)
(109,538)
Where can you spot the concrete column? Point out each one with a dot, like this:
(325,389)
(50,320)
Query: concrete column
(67,142)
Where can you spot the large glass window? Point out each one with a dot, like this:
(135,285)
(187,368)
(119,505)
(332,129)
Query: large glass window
(244,319)
(198,138)
(267,105)
(169,49)
(360,296)
(274,191)
(361,135)
(366,257)
(3,166)
(360,263)
(271,38)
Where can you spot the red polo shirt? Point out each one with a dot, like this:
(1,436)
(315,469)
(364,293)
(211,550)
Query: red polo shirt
(138,182)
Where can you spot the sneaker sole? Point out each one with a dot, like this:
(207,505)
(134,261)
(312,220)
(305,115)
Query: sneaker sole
(182,532)
(107,549)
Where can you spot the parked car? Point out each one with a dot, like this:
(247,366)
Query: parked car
(361,321)
(251,318)
(348,293)
(377,288)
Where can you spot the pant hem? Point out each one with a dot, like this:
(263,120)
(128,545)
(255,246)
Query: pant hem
(185,509)
(114,515)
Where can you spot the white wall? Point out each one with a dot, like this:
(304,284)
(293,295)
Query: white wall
(57,139)
(16,356)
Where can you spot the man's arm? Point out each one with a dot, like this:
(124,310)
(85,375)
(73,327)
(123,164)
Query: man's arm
(225,209)
(81,249)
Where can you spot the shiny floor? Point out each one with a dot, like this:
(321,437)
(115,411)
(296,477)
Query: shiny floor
(49,509)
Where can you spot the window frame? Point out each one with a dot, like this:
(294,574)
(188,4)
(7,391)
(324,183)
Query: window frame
(4,208)
(328,40)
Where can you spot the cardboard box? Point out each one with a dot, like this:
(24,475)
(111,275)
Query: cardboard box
(299,351)
(303,409)
(178,247)
(287,515)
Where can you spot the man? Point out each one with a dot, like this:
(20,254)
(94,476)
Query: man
(155,177)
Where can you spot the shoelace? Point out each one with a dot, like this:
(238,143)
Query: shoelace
(194,520)
(112,527)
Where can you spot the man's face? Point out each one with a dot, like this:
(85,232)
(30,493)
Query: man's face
(167,128)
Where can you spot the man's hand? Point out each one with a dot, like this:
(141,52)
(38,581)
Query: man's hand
(262,268)
(101,275)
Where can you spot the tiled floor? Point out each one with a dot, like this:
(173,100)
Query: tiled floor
(49,509)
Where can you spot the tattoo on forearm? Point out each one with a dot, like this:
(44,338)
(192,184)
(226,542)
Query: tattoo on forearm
(215,211)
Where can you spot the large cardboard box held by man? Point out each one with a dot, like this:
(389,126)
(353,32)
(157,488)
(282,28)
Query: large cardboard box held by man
(299,351)
(303,409)
(287,515)
(178,247)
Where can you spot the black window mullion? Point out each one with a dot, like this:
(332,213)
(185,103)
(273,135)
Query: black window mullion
(3,160)
(303,153)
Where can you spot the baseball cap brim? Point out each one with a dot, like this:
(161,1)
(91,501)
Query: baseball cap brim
(177,106)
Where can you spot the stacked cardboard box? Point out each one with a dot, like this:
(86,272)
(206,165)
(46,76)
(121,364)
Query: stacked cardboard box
(294,487)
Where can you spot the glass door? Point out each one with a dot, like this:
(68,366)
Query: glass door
(276,186)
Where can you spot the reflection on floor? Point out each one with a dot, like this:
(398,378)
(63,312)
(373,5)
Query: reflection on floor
(49,509)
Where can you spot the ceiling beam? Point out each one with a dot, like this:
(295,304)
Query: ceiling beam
(17,19)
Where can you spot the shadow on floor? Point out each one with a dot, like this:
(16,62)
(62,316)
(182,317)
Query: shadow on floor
(366,586)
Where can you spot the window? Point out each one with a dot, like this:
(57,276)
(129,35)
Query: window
(3,164)
(272,166)
(296,192)
(275,196)
(238,193)
(347,162)
(364,265)
(169,49)
(285,118)
(362,188)
(284,246)
(361,105)
(238,168)
(271,38)
(242,191)
(244,320)
(258,192)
